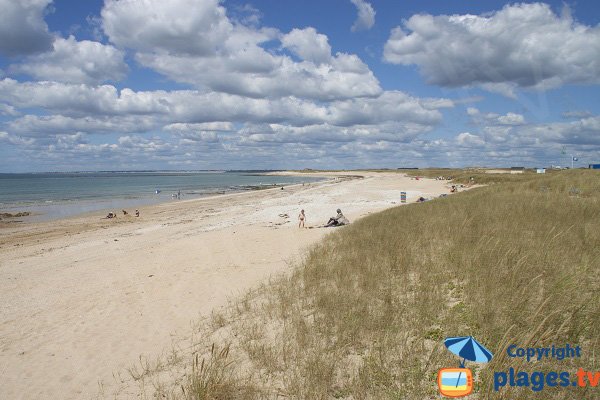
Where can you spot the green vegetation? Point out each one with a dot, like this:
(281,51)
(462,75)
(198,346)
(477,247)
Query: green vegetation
(364,316)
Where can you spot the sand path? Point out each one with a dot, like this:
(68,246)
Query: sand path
(84,297)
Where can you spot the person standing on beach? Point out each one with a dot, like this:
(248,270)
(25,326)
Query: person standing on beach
(301,219)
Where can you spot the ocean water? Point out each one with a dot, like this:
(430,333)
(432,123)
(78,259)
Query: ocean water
(57,195)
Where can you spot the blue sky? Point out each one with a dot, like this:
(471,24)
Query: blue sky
(203,84)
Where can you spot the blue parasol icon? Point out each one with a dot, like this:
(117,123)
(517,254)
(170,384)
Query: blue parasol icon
(469,349)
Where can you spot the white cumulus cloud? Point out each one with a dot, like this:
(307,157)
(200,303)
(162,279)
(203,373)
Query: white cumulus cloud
(511,119)
(308,45)
(78,108)
(195,42)
(76,62)
(179,26)
(521,45)
(469,140)
(22,27)
(366,16)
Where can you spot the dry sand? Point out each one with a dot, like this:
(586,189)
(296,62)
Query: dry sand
(83,298)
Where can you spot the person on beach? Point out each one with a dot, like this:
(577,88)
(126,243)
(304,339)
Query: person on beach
(137,213)
(301,219)
(338,220)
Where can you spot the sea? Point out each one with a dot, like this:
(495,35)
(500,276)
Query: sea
(49,196)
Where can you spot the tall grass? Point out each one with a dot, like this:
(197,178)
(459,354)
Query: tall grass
(365,315)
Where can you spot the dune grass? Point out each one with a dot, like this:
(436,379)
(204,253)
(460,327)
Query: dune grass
(365,315)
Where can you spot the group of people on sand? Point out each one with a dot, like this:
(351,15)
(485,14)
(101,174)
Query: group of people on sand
(113,214)
(454,188)
(338,220)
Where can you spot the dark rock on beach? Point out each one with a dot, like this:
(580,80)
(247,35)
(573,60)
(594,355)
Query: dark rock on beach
(15,215)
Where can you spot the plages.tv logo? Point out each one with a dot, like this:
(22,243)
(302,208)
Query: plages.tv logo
(458,382)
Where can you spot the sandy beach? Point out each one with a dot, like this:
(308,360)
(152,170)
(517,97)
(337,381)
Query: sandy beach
(83,298)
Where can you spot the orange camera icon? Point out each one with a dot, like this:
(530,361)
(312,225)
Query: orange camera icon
(455,382)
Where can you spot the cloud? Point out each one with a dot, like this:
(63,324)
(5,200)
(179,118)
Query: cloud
(195,107)
(390,106)
(76,62)
(577,114)
(280,145)
(194,42)
(584,131)
(434,104)
(205,126)
(509,139)
(325,133)
(6,109)
(22,27)
(55,125)
(511,119)
(186,106)
(246,14)
(15,139)
(520,46)
(472,111)
(469,140)
(270,76)
(82,100)
(52,122)
(179,27)
(502,88)
(308,45)
(144,145)
(366,16)
(489,119)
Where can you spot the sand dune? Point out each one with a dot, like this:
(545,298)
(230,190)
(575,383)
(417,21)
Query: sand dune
(83,298)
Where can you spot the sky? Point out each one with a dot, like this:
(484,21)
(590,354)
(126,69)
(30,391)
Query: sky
(288,84)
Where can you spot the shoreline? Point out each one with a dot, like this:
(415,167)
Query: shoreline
(93,219)
(53,210)
(84,297)
(88,207)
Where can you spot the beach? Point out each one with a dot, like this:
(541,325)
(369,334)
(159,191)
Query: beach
(83,298)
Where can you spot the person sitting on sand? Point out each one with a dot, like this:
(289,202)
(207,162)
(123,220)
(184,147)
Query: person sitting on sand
(124,212)
(137,213)
(301,218)
(338,220)
(111,215)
